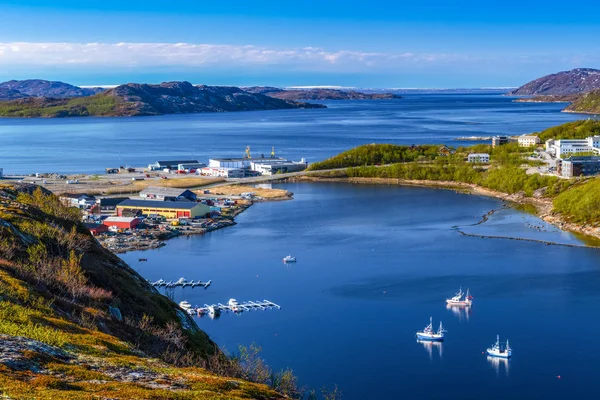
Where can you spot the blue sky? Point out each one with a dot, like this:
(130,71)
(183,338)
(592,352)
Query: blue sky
(348,43)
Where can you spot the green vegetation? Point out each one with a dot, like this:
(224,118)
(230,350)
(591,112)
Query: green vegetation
(572,130)
(374,154)
(98,105)
(580,203)
(588,103)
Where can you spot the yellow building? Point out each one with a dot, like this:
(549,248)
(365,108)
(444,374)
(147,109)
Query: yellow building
(168,209)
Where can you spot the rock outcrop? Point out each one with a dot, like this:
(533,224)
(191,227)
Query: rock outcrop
(576,81)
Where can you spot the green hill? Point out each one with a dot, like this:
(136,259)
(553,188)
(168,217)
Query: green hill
(77,322)
(588,103)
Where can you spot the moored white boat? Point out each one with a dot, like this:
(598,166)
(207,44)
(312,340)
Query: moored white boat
(185,305)
(500,350)
(289,259)
(429,334)
(460,299)
(233,305)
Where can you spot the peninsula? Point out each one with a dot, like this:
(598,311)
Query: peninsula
(568,203)
(579,87)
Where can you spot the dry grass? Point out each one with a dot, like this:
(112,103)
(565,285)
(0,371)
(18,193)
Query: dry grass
(236,190)
(129,187)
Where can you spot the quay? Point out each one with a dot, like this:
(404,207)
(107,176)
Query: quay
(232,306)
(181,282)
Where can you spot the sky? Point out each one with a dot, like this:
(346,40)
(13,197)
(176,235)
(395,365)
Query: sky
(364,44)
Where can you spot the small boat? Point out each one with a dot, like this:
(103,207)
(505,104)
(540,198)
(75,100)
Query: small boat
(185,305)
(498,350)
(180,282)
(429,334)
(142,259)
(233,304)
(460,299)
(289,259)
(159,283)
(212,310)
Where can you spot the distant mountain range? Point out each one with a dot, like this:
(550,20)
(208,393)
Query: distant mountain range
(576,81)
(11,90)
(134,99)
(318,94)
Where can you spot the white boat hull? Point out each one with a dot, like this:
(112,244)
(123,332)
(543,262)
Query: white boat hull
(433,337)
(499,354)
(459,303)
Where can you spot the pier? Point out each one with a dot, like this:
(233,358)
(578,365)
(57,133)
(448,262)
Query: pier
(233,307)
(182,282)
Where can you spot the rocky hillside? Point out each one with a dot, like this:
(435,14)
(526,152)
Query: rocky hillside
(588,103)
(42,88)
(576,81)
(318,94)
(77,322)
(135,99)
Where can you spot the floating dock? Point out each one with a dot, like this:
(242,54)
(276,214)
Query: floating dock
(244,306)
(182,282)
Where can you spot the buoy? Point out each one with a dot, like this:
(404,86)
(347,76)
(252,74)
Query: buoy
(483,352)
(557,376)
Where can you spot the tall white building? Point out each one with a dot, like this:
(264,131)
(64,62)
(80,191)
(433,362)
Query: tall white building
(564,148)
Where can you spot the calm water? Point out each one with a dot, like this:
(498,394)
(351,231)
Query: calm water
(374,262)
(91,144)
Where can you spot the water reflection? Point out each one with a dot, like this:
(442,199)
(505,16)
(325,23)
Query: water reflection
(429,345)
(497,362)
(462,312)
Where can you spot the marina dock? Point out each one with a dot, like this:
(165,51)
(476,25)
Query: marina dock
(237,307)
(182,282)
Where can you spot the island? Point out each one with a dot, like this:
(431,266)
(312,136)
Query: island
(135,99)
(319,94)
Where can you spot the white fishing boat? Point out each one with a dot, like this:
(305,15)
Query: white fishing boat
(500,350)
(185,305)
(289,259)
(429,334)
(233,305)
(460,299)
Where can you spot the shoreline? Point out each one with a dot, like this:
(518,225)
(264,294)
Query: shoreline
(543,206)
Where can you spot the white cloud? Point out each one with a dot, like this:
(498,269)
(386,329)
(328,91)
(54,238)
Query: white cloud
(205,55)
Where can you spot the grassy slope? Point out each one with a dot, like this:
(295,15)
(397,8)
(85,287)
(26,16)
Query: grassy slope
(49,309)
(98,105)
(588,103)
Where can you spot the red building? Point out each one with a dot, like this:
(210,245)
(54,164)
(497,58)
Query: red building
(122,222)
(96,229)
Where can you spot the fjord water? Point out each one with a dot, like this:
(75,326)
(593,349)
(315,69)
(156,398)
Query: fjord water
(374,262)
(89,145)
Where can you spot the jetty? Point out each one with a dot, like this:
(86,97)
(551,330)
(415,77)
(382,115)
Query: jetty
(181,282)
(236,307)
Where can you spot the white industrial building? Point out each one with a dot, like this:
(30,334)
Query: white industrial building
(222,172)
(528,141)
(563,148)
(478,158)
(273,167)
